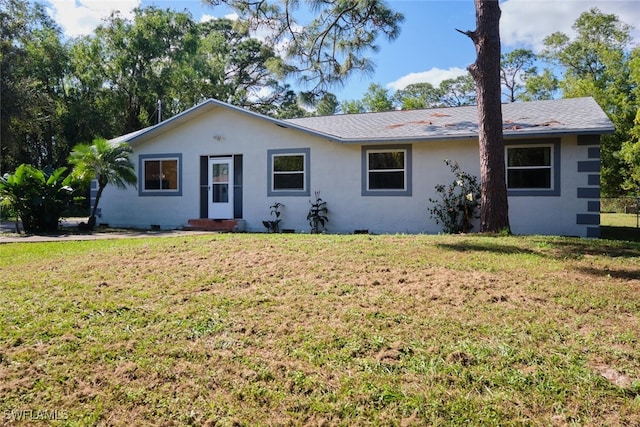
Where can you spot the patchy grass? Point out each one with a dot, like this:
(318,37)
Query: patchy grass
(231,329)
(619,220)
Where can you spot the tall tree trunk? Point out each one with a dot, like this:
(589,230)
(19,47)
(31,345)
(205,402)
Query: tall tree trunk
(494,208)
(94,210)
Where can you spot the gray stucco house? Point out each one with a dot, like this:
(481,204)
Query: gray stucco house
(219,163)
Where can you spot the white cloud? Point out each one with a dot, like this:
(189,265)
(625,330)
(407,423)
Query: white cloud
(206,17)
(81,17)
(232,16)
(434,76)
(527,22)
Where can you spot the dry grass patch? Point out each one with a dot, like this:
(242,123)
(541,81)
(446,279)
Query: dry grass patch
(322,330)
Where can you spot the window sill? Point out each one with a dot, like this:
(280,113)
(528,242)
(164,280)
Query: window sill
(387,193)
(285,193)
(533,193)
(154,193)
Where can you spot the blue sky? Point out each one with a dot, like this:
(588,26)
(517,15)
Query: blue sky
(429,49)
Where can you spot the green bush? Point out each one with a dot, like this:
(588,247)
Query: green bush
(37,197)
(459,201)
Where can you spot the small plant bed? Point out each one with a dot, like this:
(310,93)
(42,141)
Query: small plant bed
(317,215)
(273,225)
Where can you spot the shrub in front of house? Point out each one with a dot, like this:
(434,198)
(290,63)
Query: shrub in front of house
(37,196)
(458,204)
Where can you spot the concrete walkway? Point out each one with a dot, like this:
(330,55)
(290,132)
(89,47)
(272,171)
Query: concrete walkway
(68,232)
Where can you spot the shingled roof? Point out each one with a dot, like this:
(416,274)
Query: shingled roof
(581,116)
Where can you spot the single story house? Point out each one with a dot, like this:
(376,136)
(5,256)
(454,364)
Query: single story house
(376,171)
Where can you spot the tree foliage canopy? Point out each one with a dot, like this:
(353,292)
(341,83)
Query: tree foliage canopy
(57,93)
(331,46)
(597,62)
(33,61)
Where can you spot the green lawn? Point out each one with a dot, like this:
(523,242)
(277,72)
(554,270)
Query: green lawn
(245,329)
(619,220)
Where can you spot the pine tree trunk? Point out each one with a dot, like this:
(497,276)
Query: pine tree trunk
(494,209)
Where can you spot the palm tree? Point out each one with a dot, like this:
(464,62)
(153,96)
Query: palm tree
(107,163)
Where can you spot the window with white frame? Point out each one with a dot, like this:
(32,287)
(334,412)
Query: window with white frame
(529,167)
(288,172)
(386,171)
(533,168)
(160,174)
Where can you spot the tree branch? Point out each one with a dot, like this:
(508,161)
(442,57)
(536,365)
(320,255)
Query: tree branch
(473,35)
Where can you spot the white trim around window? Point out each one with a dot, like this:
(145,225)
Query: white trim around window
(160,174)
(533,167)
(288,172)
(386,170)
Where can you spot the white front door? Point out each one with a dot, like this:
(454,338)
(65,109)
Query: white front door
(221,188)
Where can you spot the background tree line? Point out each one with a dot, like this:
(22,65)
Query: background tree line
(59,92)
(599,61)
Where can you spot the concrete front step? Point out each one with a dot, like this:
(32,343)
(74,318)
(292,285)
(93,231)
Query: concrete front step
(206,224)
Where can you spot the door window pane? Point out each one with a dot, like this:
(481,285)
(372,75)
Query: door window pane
(220,172)
(220,193)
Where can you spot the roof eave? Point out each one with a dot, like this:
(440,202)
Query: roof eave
(560,132)
(465,136)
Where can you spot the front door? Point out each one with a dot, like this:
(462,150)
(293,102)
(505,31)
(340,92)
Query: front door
(221,188)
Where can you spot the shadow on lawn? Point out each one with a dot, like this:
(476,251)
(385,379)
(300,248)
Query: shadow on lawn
(572,248)
(625,274)
(630,234)
(549,247)
(560,249)
(498,248)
